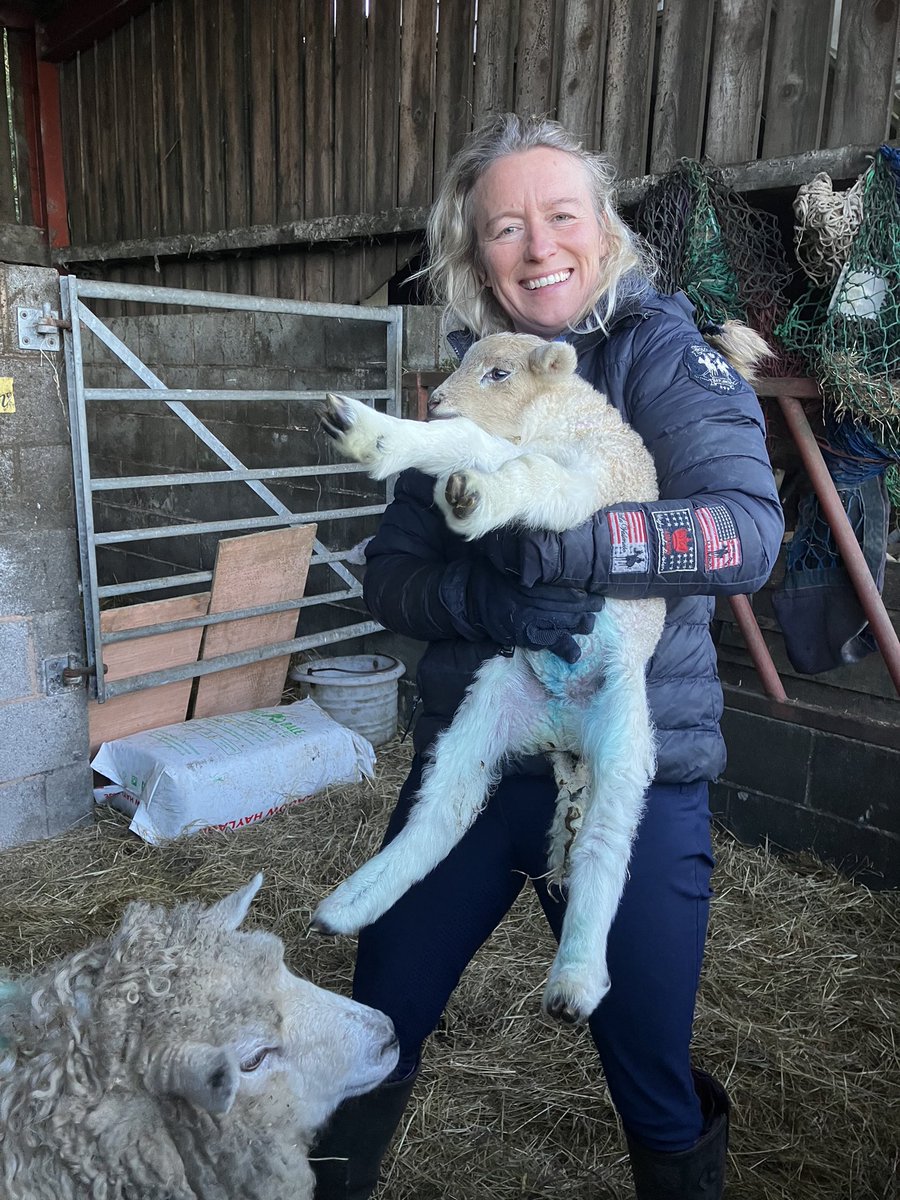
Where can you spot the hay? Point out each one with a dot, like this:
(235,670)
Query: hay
(796,1011)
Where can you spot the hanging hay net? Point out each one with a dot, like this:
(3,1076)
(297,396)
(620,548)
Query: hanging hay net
(847,326)
(727,257)
(796,1012)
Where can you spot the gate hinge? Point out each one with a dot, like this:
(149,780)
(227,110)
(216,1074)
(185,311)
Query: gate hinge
(64,671)
(39,328)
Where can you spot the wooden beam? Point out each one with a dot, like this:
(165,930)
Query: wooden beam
(253,237)
(841,164)
(761,175)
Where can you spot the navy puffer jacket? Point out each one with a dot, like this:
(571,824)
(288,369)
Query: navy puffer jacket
(715,531)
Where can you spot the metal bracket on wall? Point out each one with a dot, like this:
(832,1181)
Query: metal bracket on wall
(62,672)
(39,328)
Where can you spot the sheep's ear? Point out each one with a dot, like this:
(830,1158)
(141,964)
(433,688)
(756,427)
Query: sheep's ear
(553,358)
(229,912)
(207,1076)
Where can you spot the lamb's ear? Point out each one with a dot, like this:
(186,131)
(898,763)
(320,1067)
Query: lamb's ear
(205,1075)
(553,358)
(229,912)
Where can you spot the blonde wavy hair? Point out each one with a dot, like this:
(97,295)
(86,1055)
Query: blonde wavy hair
(454,271)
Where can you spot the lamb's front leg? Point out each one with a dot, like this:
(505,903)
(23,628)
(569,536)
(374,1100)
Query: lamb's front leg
(617,744)
(532,490)
(454,789)
(387,444)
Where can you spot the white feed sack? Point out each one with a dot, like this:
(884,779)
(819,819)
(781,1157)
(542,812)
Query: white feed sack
(230,771)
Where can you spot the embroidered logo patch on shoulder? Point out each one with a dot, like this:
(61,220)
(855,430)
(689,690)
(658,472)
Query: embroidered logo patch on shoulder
(721,540)
(629,542)
(676,540)
(708,368)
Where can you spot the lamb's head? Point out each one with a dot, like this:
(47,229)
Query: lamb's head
(500,378)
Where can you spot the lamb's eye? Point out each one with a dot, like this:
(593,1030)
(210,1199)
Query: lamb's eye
(495,375)
(254,1061)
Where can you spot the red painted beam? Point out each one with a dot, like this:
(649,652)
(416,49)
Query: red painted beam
(78,26)
(56,207)
(759,651)
(854,559)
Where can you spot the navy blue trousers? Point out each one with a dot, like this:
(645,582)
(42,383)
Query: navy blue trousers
(409,961)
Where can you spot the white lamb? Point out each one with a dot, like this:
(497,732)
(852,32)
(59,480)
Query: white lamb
(531,444)
(177,1060)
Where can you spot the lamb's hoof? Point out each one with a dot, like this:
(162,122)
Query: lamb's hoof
(461,500)
(335,416)
(570,1003)
(322,928)
(331,920)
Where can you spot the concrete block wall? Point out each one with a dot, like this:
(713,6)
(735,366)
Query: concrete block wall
(812,789)
(45,780)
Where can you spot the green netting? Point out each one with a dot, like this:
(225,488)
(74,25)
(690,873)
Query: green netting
(849,334)
(726,256)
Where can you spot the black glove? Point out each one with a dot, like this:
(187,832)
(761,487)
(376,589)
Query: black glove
(484,604)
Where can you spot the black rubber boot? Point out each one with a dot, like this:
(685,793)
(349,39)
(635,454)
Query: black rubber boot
(347,1156)
(695,1174)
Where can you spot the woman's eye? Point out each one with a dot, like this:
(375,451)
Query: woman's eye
(256,1059)
(496,375)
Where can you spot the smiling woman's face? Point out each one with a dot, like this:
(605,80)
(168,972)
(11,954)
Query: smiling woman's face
(539,240)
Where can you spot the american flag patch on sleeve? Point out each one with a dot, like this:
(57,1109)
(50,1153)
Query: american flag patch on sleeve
(721,541)
(628,539)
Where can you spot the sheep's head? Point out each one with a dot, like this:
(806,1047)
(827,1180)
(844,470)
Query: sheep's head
(235,1025)
(500,378)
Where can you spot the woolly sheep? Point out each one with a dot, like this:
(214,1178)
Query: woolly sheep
(177,1060)
(532,444)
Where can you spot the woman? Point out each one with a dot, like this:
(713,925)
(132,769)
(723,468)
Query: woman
(523,236)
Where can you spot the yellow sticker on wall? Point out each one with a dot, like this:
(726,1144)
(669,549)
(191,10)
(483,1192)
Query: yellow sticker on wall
(7,399)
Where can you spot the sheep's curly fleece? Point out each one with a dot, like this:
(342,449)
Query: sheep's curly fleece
(79,1121)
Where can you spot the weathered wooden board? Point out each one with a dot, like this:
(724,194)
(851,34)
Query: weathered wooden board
(262,35)
(453,81)
(318,150)
(684,43)
(798,75)
(381,134)
(290,137)
(582,68)
(535,83)
(740,41)
(349,132)
(415,150)
(864,72)
(495,59)
(153,707)
(259,568)
(629,75)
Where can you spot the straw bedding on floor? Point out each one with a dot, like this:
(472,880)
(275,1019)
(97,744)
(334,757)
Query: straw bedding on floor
(798,1012)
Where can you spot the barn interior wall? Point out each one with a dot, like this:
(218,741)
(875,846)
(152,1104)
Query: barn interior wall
(45,782)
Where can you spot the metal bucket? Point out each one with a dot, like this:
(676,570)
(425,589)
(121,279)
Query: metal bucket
(358,690)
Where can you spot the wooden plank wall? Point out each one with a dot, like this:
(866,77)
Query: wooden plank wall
(203,115)
(15,180)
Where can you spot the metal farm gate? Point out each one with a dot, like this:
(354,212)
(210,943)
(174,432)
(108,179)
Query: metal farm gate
(79,319)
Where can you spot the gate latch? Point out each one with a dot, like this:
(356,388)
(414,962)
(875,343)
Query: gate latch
(39,328)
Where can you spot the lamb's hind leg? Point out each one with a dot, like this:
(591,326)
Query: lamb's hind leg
(454,789)
(617,743)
